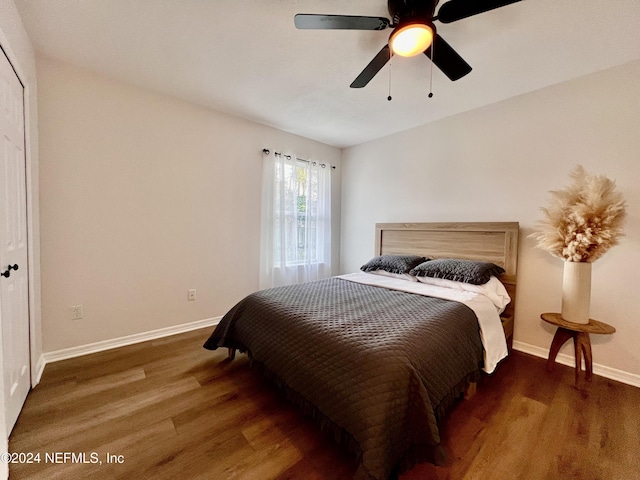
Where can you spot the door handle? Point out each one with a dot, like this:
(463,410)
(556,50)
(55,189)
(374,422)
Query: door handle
(7,272)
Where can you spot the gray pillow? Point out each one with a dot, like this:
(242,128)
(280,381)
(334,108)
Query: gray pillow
(467,271)
(393,263)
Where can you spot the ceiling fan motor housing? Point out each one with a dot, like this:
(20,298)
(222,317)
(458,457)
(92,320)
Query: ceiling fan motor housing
(406,11)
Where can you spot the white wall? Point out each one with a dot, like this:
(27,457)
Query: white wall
(498,163)
(18,48)
(143,197)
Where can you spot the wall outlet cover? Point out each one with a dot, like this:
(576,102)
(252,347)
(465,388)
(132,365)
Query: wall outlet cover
(76,312)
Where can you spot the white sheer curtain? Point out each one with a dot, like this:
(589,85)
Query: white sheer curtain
(295,242)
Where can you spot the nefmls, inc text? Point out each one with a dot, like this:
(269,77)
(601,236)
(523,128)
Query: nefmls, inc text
(61,457)
(82,457)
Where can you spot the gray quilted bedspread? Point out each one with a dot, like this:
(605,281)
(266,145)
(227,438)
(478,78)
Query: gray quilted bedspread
(376,364)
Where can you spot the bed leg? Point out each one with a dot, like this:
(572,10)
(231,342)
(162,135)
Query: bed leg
(470,391)
(231,353)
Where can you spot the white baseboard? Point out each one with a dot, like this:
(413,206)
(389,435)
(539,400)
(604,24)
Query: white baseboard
(37,374)
(565,359)
(80,350)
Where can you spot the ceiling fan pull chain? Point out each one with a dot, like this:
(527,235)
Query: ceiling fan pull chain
(431,73)
(390,57)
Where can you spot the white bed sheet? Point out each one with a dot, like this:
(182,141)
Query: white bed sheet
(491,332)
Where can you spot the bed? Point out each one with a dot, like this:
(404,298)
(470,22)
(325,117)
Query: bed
(375,360)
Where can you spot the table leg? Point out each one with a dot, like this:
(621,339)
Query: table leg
(583,343)
(577,347)
(559,339)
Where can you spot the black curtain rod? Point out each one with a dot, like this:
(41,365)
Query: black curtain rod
(266,151)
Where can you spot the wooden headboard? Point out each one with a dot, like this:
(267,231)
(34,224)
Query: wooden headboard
(495,242)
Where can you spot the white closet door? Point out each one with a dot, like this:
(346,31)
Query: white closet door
(14,290)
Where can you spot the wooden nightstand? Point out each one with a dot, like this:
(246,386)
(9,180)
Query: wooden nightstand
(581,341)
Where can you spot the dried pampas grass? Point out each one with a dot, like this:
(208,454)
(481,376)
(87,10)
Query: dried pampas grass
(584,220)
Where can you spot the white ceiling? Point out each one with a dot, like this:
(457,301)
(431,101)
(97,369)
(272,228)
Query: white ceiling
(246,58)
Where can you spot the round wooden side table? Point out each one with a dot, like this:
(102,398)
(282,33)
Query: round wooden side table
(581,341)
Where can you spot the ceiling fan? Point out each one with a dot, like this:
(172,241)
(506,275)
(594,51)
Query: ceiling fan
(413,32)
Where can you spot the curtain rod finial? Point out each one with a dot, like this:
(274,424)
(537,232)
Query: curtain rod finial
(266,151)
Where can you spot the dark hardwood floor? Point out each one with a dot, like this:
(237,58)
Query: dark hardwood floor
(168,409)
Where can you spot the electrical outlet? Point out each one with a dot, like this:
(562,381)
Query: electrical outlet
(192,294)
(76,312)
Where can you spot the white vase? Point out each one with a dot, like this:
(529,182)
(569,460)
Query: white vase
(576,292)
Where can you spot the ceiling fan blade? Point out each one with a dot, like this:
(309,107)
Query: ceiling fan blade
(373,68)
(455,10)
(339,22)
(447,59)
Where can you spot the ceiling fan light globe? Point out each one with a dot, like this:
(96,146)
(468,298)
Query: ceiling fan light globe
(411,40)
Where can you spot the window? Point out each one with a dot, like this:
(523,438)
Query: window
(296,223)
